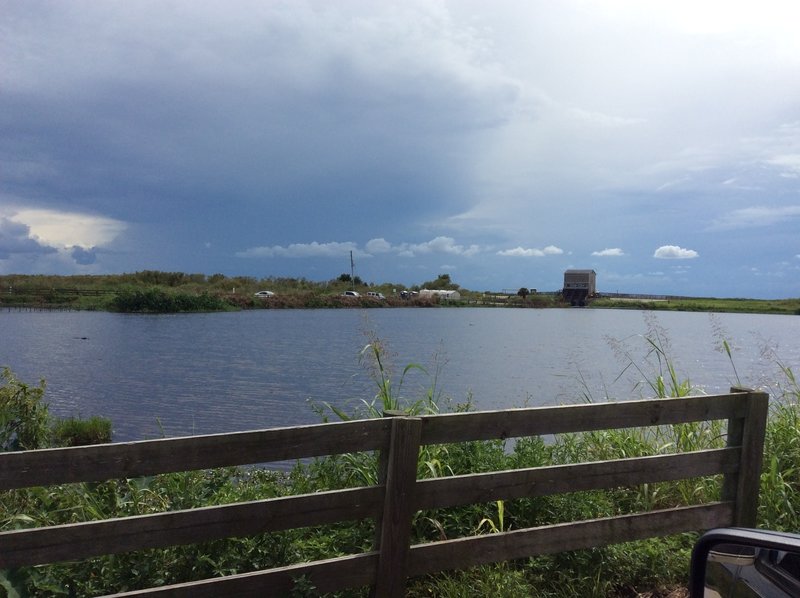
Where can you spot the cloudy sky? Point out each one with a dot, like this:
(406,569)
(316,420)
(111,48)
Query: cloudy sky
(501,142)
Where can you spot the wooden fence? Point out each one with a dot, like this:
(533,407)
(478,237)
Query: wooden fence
(399,495)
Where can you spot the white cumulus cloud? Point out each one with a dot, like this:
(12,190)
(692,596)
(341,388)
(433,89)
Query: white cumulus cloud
(673,252)
(301,250)
(531,252)
(380,245)
(438,245)
(610,252)
(443,245)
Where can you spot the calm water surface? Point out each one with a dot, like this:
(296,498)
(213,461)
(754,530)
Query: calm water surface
(173,375)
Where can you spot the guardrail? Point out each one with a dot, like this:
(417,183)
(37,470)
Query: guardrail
(398,494)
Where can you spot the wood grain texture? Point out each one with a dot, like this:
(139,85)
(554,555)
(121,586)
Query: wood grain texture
(492,548)
(114,536)
(543,481)
(398,508)
(151,457)
(515,423)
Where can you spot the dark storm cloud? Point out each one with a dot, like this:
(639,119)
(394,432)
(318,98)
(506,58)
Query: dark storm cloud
(206,131)
(15,239)
(270,103)
(82,256)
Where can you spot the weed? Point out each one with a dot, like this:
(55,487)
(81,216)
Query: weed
(495,525)
(24,417)
(74,431)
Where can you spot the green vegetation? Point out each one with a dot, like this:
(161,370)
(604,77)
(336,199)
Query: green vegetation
(74,431)
(620,570)
(26,423)
(760,306)
(171,292)
(23,415)
(152,291)
(157,300)
(442,282)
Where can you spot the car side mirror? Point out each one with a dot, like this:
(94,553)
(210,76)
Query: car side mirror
(738,563)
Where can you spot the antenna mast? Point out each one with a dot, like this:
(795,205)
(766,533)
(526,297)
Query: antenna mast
(352,272)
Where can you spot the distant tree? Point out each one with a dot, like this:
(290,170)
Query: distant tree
(356,280)
(443,282)
(523,292)
(243,281)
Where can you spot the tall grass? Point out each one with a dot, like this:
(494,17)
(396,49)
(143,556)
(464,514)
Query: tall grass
(779,507)
(74,431)
(23,414)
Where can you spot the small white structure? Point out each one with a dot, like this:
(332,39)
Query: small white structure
(440,294)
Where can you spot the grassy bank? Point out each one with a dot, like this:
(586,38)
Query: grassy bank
(753,306)
(171,292)
(620,570)
(174,292)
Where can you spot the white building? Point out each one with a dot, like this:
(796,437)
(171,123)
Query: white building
(440,294)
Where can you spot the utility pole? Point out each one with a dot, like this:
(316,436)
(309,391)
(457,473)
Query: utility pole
(352,272)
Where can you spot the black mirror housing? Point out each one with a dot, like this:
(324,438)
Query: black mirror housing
(732,562)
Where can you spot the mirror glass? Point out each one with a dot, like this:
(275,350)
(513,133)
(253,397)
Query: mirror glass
(739,571)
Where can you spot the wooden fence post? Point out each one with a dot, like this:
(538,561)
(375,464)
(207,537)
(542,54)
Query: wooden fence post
(395,522)
(382,473)
(748,433)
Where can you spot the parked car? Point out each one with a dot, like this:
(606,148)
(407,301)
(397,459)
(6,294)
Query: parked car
(265,294)
(351,294)
(375,295)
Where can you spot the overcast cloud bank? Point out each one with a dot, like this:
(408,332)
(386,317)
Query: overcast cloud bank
(276,138)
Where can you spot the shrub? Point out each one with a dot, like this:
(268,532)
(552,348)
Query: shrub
(80,432)
(23,415)
(157,300)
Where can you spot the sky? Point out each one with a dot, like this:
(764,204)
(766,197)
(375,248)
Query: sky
(503,142)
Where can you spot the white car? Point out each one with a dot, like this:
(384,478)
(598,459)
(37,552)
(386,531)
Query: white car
(375,295)
(265,294)
(350,294)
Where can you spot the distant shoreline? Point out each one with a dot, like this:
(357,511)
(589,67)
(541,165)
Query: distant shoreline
(175,292)
(699,304)
(745,306)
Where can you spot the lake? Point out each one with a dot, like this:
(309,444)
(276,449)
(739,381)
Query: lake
(173,375)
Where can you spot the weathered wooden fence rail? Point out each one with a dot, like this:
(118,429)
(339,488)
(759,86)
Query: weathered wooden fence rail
(399,495)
